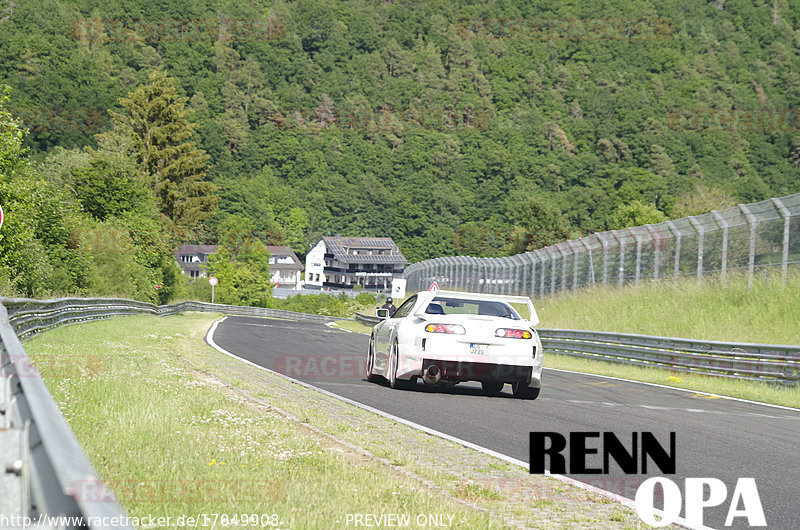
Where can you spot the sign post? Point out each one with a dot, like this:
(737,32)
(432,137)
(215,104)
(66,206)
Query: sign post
(1,216)
(213,281)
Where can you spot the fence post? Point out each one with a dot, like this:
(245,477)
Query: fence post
(677,266)
(638,253)
(655,237)
(751,264)
(574,264)
(787,219)
(552,270)
(521,274)
(590,263)
(700,242)
(530,285)
(724,224)
(621,244)
(605,257)
(543,273)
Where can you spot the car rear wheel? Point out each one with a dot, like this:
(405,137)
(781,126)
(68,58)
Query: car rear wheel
(492,387)
(394,382)
(372,378)
(523,391)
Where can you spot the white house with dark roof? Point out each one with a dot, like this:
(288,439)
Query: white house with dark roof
(285,267)
(344,262)
(192,259)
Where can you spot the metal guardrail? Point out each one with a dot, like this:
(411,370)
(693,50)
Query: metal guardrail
(367,320)
(29,317)
(43,469)
(739,360)
(44,474)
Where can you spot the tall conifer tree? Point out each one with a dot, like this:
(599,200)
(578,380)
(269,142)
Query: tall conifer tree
(156,120)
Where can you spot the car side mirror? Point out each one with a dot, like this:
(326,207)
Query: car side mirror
(383,314)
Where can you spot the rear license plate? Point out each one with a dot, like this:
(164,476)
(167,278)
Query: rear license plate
(479,349)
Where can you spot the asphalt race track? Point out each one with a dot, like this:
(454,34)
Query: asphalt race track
(719,438)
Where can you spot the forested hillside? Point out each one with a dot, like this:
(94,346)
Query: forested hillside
(452,127)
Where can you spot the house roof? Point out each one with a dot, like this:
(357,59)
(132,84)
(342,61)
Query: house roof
(195,249)
(284,251)
(339,246)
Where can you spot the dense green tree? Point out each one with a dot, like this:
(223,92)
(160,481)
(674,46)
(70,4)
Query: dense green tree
(244,276)
(37,251)
(635,213)
(157,122)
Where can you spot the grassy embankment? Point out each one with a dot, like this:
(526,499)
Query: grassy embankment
(177,428)
(766,313)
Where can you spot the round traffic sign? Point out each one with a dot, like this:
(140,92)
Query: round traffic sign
(213,280)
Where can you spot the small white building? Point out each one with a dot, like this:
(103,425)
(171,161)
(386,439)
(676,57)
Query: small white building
(344,262)
(192,259)
(285,267)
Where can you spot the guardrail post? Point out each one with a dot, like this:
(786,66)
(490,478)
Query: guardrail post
(787,219)
(720,221)
(751,263)
(700,242)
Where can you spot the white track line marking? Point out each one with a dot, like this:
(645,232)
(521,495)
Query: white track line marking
(511,460)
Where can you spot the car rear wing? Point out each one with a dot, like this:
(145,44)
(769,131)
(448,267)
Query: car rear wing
(509,299)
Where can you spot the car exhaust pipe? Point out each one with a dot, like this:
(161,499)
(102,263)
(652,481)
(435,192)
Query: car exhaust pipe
(432,375)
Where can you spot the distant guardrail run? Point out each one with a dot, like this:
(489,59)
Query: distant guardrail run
(746,237)
(29,317)
(42,465)
(738,360)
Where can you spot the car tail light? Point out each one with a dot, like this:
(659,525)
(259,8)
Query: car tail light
(510,333)
(454,329)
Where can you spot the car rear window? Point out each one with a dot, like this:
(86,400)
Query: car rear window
(465,306)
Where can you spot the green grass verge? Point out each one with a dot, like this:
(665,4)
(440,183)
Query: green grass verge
(766,313)
(352,325)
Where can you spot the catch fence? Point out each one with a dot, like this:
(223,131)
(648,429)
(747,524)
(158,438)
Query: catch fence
(749,237)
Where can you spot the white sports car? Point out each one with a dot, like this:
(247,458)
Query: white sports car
(446,337)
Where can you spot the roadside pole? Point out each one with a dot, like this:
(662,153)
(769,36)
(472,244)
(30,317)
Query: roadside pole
(213,281)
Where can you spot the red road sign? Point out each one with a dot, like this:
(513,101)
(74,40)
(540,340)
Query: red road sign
(434,287)
(213,280)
